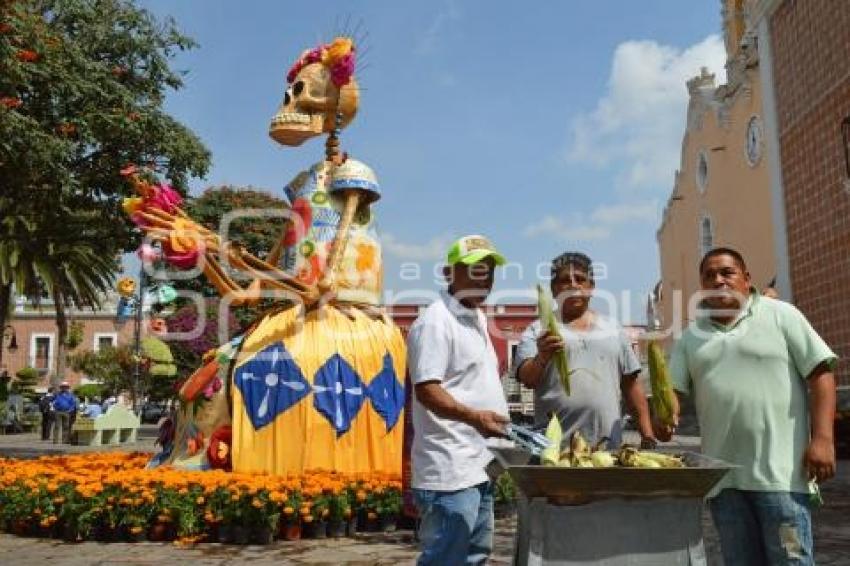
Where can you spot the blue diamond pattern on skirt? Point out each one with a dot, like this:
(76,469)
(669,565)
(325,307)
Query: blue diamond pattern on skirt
(338,393)
(270,383)
(386,393)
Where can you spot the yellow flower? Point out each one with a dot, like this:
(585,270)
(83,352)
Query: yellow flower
(131,205)
(339,48)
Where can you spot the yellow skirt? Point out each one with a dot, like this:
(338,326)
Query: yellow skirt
(319,391)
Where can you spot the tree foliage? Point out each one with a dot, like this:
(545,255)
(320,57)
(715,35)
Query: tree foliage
(114,369)
(188,354)
(25,381)
(82,83)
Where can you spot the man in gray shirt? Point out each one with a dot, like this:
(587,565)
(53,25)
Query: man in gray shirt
(602,364)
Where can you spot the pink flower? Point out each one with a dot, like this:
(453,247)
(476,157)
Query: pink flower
(182,260)
(148,253)
(342,71)
(163,197)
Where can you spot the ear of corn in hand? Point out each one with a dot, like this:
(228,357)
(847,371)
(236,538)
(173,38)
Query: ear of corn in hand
(548,322)
(662,388)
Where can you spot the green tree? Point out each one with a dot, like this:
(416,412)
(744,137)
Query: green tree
(41,259)
(159,368)
(257,234)
(82,83)
(25,382)
(114,369)
(111,368)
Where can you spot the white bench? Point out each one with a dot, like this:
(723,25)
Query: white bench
(116,426)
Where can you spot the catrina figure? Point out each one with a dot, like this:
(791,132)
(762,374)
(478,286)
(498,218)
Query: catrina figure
(317,381)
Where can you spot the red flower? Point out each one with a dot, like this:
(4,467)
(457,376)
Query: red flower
(11,101)
(129,170)
(27,55)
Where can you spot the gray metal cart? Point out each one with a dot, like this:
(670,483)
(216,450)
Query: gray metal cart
(610,516)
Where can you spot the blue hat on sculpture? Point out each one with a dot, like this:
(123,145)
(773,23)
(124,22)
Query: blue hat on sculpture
(356,175)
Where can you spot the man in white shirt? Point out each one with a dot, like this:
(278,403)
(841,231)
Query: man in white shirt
(458,402)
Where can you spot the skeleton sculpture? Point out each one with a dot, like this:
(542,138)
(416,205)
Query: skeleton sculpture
(318,383)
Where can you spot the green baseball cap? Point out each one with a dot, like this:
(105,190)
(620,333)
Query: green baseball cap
(473,249)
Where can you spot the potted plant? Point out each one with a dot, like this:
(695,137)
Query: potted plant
(504,496)
(262,517)
(339,512)
(290,524)
(388,508)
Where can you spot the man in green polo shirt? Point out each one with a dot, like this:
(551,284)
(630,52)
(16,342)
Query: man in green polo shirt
(748,362)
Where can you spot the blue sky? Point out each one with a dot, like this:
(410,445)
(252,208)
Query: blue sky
(547,126)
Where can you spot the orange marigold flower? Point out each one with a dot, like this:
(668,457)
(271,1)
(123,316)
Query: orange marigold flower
(27,55)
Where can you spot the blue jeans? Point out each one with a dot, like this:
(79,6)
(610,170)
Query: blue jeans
(455,527)
(763,527)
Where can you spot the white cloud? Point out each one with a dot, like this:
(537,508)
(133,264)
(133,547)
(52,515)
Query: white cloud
(598,225)
(433,249)
(639,122)
(563,230)
(433,34)
(622,213)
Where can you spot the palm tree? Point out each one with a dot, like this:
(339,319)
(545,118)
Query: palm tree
(59,260)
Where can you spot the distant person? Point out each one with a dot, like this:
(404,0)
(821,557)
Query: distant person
(65,408)
(770,289)
(92,409)
(110,401)
(763,384)
(770,292)
(45,407)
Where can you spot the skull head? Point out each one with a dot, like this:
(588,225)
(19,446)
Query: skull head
(310,105)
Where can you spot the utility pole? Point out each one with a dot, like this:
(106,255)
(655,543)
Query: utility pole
(137,336)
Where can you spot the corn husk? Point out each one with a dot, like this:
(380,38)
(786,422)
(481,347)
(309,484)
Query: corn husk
(550,456)
(548,322)
(662,388)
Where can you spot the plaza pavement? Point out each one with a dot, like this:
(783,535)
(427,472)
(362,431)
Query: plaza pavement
(831,531)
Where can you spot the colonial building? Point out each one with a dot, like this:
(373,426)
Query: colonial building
(721,192)
(805,71)
(34,332)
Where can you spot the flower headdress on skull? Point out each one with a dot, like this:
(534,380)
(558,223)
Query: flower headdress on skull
(321,96)
(338,56)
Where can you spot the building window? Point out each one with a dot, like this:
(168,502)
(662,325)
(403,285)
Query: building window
(706,235)
(105,340)
(41,352)
(753,146)
(702,171)
(511,351)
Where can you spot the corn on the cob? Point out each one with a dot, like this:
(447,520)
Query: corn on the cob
(551,455)
(659,380)
(548,322)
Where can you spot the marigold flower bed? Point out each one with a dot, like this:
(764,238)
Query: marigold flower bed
(110,496)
